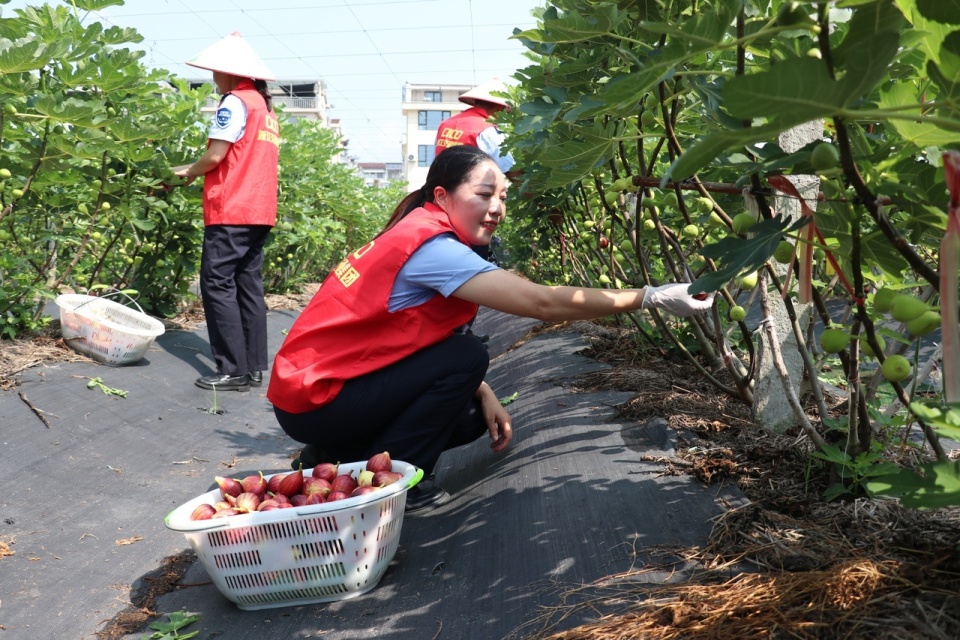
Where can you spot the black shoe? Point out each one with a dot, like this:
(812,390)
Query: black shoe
(425,496)
(224,383)
(255,378)
(310,456)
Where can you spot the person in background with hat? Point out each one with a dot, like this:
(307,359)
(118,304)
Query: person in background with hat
(374,362)
(473,126)
(239,208)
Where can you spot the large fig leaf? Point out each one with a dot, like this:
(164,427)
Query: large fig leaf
(936,485)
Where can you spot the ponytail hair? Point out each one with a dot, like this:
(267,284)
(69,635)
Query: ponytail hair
(264,91)
(449,170)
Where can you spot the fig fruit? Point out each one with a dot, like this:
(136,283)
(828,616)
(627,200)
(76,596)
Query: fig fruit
(924,324)
(344,483)
(895,368)
(743,221)
(380,462)
(882,299)
(337,495)
(255,484)
(834,340)
(365,478)
(314,485)
(203,512)
(383,478)
(824,156)
(737,313)
(292,484)
(691,231)
(784,252)
(748,281)
(228,486)
(905,307)
(247,502)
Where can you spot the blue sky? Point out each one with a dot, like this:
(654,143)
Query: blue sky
(365,50)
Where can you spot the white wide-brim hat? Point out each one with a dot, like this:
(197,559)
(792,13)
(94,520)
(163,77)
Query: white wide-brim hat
(234,56)
(484,93)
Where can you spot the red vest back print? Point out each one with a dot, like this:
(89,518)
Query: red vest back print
(242,189)
(346,330)
(463,128)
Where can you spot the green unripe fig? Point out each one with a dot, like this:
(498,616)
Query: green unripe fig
(743,221)
(905,307)
(648,118)
(9,109)
(924,324)
(5,173)
(716,220)
(588,223)
(784,252)
(604,279)
(748,281)
(17,193)
(691,231)
(824,156)
(895,368)
(882,299)
(737,313)
(611,197)
(704,204)
(649,225)
(866,349)
(105,206)
(670,200)
(834,340)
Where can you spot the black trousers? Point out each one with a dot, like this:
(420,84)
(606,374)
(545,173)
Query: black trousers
(416,409)
(231,287)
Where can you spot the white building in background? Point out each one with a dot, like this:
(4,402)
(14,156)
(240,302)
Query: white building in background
(299,100)
(380,174)
(424,107)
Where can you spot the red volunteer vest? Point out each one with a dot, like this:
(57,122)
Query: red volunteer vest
(242,189)
(463,128)
(346,331)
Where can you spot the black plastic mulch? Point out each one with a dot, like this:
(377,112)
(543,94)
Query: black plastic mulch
(84,500)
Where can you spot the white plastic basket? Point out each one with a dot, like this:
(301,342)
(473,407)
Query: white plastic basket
(300,555)
(104,330)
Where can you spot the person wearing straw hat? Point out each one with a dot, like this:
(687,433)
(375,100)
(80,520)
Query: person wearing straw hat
(239,169)
(473,127)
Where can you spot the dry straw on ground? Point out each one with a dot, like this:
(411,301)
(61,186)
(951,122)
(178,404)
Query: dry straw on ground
(787,565)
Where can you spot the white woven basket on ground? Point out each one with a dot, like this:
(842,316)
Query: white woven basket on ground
(104,330)
(300,555)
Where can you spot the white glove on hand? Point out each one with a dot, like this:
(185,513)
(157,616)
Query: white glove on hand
(674,299)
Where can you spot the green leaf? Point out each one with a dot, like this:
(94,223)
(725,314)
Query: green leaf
(26,54)
(946,11)
(573,158)
(832,453)
(738,255)
(944,418)
(936,485)
(96,5)
(572,27)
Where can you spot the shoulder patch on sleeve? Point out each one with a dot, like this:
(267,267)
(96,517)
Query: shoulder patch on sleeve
(224,115)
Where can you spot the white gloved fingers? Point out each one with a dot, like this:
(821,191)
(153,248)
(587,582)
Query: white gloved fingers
(676,299)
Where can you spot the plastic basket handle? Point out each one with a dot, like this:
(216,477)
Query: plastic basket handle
(417,477)
(113,293)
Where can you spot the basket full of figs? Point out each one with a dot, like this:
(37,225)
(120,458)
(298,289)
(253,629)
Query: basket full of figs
(307,536)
